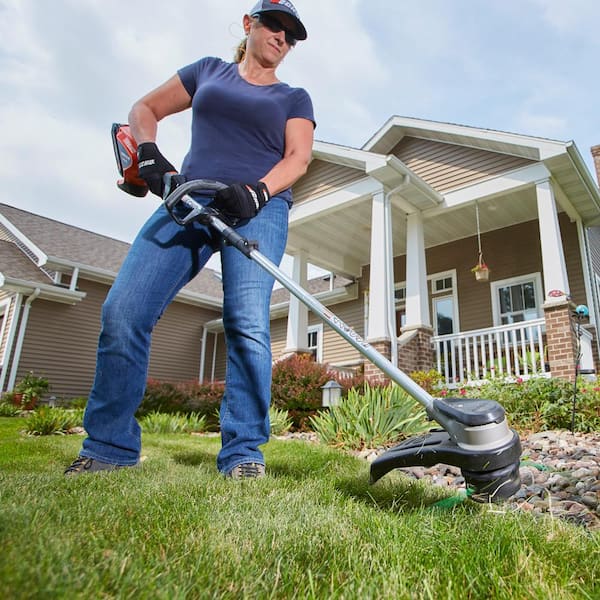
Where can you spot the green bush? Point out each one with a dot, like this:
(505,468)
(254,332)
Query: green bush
(157,422)
(185,398)
(540,404)
(49,421)
(377,417)
(428,380)
(7,409)
(280,421)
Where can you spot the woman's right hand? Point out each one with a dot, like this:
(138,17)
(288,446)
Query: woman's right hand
(152,167)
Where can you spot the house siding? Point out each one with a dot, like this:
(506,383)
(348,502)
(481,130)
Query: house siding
(61,342)
(336,350)
(594,245)
(322,178)
(448,166)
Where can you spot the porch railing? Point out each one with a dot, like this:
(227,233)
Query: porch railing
(507,351)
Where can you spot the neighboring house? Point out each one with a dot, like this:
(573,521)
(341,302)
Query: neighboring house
(401,223)
(53,281)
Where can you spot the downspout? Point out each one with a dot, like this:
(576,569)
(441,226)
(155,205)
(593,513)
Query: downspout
(16,311)
(389,269)
(21,337)
(202,354)
(214,359)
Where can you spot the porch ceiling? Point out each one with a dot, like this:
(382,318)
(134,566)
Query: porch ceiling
(340,240)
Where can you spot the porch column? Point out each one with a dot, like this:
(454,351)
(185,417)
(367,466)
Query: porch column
(560,337)
(297,323)
(416,351)
(381,305)
(553,258)
(417,303)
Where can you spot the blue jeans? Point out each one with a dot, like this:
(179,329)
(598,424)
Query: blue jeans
(163,258)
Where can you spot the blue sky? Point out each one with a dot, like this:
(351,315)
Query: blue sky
(69,68)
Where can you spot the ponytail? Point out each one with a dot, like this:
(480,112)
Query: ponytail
(240,51)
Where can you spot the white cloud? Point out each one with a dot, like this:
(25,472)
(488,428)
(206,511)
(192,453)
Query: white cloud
(69,68)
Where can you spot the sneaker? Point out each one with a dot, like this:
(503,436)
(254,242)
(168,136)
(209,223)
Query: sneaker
(84,464)
(249,470)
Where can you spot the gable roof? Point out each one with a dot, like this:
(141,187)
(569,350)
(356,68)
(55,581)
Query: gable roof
(34,247)
(561,158)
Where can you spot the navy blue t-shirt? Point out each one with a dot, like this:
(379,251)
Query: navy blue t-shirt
(238,129)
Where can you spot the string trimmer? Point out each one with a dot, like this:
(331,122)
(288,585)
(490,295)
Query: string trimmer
(475,435)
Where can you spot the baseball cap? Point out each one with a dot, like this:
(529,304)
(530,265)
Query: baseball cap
(284,6)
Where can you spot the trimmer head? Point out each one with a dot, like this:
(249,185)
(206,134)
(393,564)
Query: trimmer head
(489,458)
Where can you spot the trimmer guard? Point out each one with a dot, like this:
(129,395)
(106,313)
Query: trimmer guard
(492,476)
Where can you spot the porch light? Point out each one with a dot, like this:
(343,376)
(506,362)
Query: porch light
(332,392)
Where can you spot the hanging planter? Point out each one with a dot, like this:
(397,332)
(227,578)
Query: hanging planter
(481,270)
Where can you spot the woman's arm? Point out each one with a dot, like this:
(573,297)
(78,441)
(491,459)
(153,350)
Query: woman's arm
(169,98)
(298,150)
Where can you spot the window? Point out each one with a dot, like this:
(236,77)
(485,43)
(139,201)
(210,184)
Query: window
(400,306)
(516,300)
(444,303)
(315,342)
(443,311)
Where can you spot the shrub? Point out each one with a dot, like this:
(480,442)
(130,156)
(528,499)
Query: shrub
(7,409)
(161,396)
(204,399)
(280,421)
(429,380)
(296,386)
(157,422)
(49,421)
(297,382)
(539,404)
(378,417)
(185,398)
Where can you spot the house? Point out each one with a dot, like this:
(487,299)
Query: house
(53,280)
(399,224)
(409,214)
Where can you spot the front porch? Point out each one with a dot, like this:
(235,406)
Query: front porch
(508,352)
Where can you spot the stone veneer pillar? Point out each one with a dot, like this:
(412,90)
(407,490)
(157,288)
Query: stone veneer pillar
(561,343)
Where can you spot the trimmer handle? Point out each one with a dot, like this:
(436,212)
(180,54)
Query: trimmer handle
(173,197)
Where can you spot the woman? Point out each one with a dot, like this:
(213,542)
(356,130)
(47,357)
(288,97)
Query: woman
(254,133)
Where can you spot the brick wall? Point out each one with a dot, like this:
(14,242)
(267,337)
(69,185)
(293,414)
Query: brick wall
(416,350)
(372,373)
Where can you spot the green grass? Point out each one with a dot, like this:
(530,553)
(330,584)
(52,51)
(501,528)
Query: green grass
(313,528)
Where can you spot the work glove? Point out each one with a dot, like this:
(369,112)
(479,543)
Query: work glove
(152,166)
(242,200)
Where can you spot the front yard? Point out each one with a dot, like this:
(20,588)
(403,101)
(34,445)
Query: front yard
(313,528)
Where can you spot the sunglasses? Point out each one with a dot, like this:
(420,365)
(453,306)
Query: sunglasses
(275,25)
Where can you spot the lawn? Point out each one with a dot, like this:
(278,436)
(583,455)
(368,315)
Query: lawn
(313,528)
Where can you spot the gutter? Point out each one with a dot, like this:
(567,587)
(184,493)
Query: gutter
(45,291)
